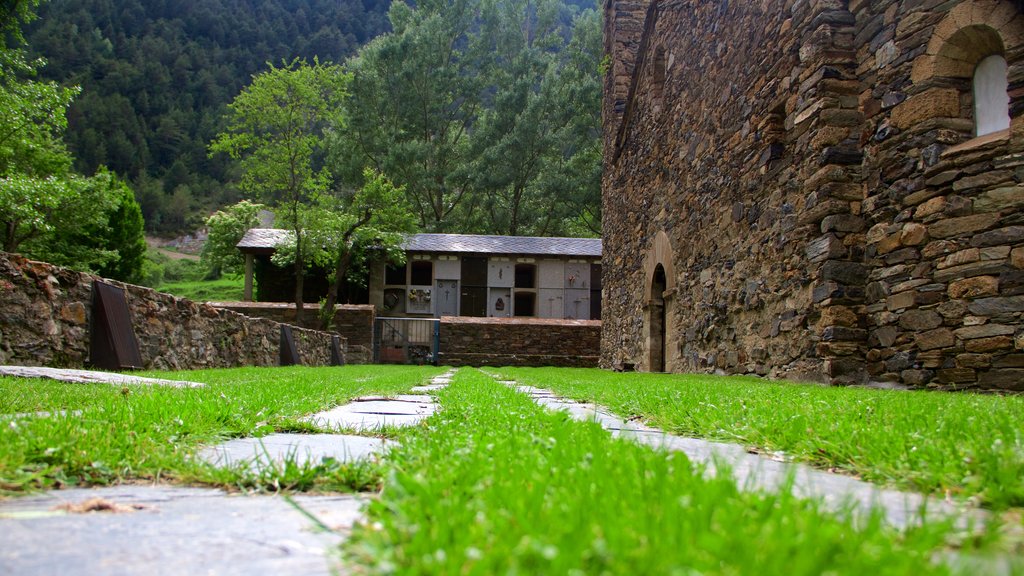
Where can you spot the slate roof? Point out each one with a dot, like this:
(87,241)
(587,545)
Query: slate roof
(266,239)
(526,245)
(262,239)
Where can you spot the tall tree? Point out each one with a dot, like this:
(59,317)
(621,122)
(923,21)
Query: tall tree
(416,93)
(487,112)
(46,210)
(276,129)
(542,112)
(373,218)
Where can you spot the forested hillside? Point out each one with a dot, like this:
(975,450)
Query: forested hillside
(156,76)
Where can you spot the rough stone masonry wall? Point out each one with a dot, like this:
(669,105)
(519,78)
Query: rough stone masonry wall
(806,173)
(736,144)
(945,243)
(45,315)
(353,322)
(519,342)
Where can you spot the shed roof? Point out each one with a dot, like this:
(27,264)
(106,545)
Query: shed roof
(266,239)
(528,245)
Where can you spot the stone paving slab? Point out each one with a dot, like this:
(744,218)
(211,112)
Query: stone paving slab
(172,531)
(755,472)
(91,377)
(368,414)
(306,449)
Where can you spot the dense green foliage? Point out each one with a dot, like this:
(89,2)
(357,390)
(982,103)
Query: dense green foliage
(277,128)
(157,75)
(487,112)
(963,445)
(494,484)
(152,432)
(225,230)
(47,211)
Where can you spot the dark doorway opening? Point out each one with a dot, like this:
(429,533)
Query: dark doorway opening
(473,293)
(525,304)
(656,326)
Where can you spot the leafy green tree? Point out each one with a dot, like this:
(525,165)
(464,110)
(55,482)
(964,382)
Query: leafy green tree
(35,167)
(125,233)
(225,230)
(416,93)
(537,142)
(277,129)
(373,218)
(487,112)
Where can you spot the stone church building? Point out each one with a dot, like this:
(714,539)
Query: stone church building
(827,190)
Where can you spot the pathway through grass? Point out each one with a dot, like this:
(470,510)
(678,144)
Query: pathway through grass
(495,484)
(967,445)
(99,434)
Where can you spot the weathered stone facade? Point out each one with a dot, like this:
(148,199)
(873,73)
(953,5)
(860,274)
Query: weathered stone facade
(795,189)
(46,311)
(469,341)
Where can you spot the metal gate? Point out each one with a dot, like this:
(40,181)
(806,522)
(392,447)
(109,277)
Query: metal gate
(406,340)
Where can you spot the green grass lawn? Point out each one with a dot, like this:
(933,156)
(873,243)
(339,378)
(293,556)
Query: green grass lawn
(107,434)
(226,289)
(494,484)
(966,445)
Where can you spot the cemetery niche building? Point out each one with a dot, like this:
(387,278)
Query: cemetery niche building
(819,190)
(454,275)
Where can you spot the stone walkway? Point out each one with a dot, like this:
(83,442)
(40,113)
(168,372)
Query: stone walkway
(135,529)
(91,377)
(177,530)
(753,472)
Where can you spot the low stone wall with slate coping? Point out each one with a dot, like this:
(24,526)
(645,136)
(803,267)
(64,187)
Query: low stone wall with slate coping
(46,314)
(519,342)
(354,322)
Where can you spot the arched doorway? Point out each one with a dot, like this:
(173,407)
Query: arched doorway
(656,325)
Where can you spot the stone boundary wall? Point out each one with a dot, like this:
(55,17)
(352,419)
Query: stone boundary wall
(519,342)
(46,311)
(354,322)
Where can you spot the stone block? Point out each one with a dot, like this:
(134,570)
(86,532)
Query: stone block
(842,223)
(975,361)
(933,103)
(916,377)
(1017,257)
(889,243)
(1010,361)
(997,305)
(962,226)
(956,376)
(920,320)
(1009,198)
(968,271)
(825,247)
(983,331)
(1001,236)
(73,312)
(930,207)
(952,309)
(975,287)
(901,300)
(843,334)
(933,339)
(1003,379)
(985,345)
(886,335)
(913,234)
(850,273)
(985,179)
(960,257)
